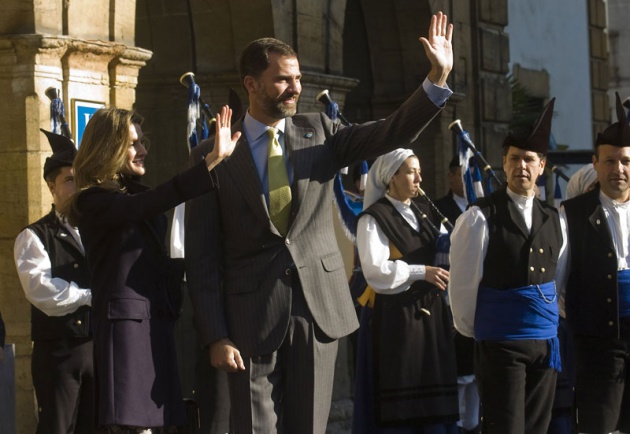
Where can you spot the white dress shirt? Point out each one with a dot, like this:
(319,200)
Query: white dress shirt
(382,274)
(461,202)
(51,295)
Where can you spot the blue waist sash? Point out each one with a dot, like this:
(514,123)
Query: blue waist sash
(528,312)
(623,281)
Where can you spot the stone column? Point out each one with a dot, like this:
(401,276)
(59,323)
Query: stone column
(90,70)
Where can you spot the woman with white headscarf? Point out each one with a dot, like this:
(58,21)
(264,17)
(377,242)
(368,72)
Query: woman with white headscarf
(406,379)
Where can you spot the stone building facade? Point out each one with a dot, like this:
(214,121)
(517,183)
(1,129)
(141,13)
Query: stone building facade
(131,53)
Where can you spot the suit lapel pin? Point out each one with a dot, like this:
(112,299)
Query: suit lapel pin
(308,135)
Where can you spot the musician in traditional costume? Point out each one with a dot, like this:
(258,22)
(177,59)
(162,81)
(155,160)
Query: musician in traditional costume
(503,256)
(52,267)
(406,376)
(597,297)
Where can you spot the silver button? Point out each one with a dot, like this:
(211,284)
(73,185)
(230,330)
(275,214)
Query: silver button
(609,300)
(76,265)
(610,323)
(287,241)
(531,250)
(531,268)
(598,221)
(542,270)
(541,251)
(78,322)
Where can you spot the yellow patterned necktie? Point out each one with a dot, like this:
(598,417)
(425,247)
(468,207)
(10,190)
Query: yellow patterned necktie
(279,189)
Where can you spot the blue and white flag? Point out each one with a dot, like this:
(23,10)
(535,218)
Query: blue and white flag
(471,173)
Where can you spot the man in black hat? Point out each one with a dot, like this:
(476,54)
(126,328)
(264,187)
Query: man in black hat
(597,296)
(51,264)
(503,257)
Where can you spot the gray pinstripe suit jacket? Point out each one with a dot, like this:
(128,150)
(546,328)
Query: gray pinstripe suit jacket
(240,270)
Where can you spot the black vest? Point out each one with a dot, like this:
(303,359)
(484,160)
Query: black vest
(416,247)
(592,302)
(517,257)
(68,263)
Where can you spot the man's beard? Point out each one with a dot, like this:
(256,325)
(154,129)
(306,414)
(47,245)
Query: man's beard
(275,108)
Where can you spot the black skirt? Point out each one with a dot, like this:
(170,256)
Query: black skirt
(415,370)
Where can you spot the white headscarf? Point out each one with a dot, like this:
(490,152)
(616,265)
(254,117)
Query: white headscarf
(581,180)
(381,173)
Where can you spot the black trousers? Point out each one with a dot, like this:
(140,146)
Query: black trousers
(516,386)
(63,377)
(602,393)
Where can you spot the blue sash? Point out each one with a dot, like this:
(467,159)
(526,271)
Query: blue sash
(623,281)
(528,312)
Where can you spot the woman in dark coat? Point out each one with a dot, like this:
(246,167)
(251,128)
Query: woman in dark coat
(123,231)
(406,380)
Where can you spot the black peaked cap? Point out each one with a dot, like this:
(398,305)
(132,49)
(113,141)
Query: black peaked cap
(63,154)
(534,139)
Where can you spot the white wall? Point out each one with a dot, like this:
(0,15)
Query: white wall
(553,35)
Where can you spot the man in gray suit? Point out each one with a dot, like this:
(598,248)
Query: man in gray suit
(267,281)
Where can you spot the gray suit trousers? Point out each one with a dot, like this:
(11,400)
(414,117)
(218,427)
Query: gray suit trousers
(278,384)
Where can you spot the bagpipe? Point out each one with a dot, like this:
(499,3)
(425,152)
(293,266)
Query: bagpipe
(198,111)
(199,117)
(443,219)
(473,163)
(349,212)
(349,205)
(58,124)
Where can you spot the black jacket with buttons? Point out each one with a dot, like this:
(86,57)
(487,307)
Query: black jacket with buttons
(68,263)
(518,257)
(592,302)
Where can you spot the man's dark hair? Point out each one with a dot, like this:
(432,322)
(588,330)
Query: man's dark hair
(507,148)
(255,57)
(52,175)
(453,165)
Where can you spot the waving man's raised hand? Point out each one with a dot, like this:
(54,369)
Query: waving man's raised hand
(439,49)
